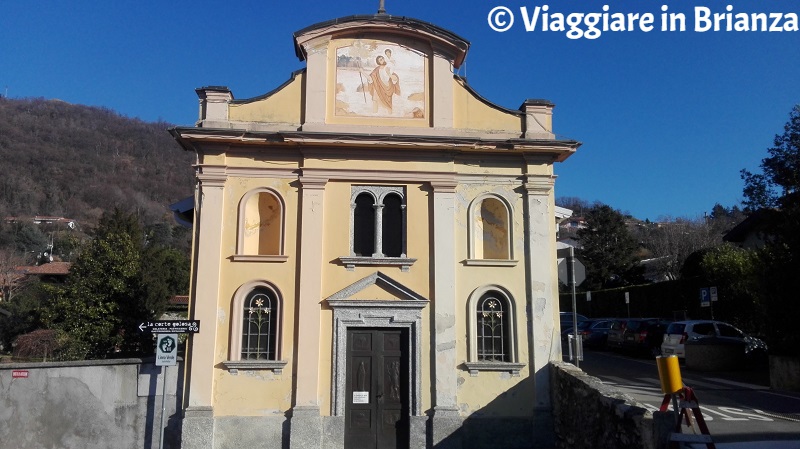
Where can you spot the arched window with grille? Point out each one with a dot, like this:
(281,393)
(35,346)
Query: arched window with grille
(493,341)
(492,331)
(260,325)
(256,328)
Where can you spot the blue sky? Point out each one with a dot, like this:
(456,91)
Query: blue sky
(667,119)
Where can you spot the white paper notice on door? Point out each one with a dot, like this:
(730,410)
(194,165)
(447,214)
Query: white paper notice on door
(361,397)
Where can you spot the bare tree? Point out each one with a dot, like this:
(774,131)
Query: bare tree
(670,243)
(11,278)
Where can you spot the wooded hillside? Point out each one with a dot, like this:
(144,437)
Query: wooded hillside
(74,161)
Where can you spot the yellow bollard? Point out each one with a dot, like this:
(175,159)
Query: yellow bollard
(669,372)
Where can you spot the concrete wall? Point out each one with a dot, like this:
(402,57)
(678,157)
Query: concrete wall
(589,414)
(93,404)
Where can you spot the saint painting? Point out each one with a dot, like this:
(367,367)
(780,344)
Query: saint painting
(378,79)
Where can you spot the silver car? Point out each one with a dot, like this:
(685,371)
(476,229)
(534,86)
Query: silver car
(680,332)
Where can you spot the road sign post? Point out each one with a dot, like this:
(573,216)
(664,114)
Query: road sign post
(628,303)
(569,255)
(167,351)
(707,295)
(166,355)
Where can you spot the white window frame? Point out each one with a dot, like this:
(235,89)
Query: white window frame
(235,362)
(473,230)
(240,255)
(473,364)
(378,193)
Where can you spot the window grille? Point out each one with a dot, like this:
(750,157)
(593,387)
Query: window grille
(492,330)
(259,325)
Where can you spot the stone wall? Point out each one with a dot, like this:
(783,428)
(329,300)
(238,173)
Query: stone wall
(93,404)
(783,373)
(589,414)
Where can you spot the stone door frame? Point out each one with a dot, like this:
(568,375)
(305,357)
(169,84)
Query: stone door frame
(349,314)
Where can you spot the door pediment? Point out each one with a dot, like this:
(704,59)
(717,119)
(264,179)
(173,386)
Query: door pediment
(377,289)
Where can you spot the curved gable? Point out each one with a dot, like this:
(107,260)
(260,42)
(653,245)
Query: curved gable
(444,41)
(377,75)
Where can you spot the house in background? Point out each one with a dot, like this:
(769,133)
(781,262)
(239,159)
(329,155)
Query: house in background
(374,258)
(752,232)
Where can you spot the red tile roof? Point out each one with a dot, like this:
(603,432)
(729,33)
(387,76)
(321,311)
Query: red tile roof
(179,299)
(52,268)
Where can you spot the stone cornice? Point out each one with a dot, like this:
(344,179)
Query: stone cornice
(489,178)
(385,175)
(252,172)
(540,185)
(377,303)
(444,185)
(212,175)
(555,150)
(313,182)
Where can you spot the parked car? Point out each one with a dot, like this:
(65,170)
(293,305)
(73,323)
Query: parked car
(680,332)
(593,331)
(644,335)
(615,334)
(566,320)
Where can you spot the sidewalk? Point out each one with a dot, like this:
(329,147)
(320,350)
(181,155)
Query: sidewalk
(750,445)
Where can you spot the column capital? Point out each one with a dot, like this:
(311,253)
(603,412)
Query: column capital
(313,182)
(212,175)
(444,186)
(539,184)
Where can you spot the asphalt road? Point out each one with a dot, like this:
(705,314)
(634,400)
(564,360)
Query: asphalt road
(738,406)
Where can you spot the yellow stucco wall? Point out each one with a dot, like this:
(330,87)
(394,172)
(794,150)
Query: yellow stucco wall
(267,393)
(283,106)
(472,114)
(262,392)
(255,393)
(475,393)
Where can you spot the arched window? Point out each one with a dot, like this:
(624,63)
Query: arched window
(493,341)
(492,331)
(261,226)
(392,225)
(364,225)
(490,226)
(377,227)
(493,221)
(255,341)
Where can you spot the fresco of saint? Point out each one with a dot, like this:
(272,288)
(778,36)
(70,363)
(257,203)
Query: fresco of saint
(381,80)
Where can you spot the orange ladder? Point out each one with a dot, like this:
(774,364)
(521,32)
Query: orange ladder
(686,407)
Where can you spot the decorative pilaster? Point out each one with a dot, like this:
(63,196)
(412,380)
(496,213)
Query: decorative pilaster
(197,434)
(542,290)
(446,420)
(306,429)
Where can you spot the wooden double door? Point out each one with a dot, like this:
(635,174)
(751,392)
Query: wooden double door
(377,409)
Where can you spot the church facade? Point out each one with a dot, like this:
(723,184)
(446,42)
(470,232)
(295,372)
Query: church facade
(374,259)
